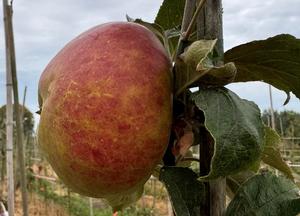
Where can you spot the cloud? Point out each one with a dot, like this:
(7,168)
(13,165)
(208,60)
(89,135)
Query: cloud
(43,27)
(253,20)
(259,93)
(256,20)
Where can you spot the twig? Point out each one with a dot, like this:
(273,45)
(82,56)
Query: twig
(186,30)
(189,8)
(186,35)
(47,178)
(186,20)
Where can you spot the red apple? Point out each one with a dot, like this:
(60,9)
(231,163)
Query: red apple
(106,109)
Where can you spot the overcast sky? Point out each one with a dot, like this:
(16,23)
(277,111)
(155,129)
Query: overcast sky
(43,27)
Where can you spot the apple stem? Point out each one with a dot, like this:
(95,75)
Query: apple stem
(188,159)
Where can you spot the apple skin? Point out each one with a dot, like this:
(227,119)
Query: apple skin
(106,109)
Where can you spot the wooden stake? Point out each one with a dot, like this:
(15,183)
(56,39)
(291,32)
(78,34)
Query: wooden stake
(3,161)
(209,26)
(9,116)
(23,104)
(273,125)
(91,206)
(13,74)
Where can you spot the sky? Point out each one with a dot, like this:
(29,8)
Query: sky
(43,27)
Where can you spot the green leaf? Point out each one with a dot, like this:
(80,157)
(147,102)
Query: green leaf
(155,28)
(169,17)
(266,194)
(234,182)
(275,60)
(199,55)
(169,38)
(186,192)
(173,33)
(173,37)
(271,154)
(170,14)
(198,62)
(237,129)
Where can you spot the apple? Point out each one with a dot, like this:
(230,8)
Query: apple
(106,109)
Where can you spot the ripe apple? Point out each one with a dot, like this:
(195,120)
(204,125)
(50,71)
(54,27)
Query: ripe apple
(106,106)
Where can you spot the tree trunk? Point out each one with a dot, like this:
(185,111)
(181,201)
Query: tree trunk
(209,26)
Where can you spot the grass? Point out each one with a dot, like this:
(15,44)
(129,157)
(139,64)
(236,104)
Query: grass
(78,205)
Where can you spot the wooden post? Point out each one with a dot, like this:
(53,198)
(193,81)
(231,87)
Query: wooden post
(13,74)
(169,205)
(91,206)
(273,125)
(24,136)
(209,26)
(23,104)
(154,193)
(9,116)
(3,159)
(69,200)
